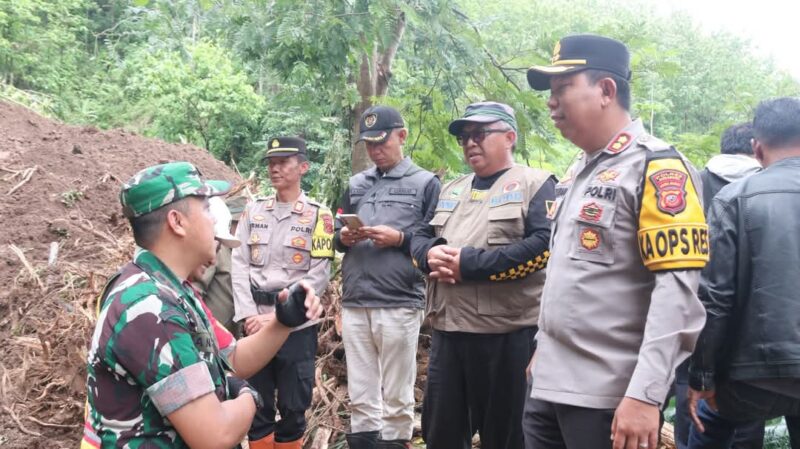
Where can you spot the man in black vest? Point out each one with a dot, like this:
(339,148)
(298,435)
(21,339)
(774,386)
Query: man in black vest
(383,294)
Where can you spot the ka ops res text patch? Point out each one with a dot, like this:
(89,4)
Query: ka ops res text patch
(673,234)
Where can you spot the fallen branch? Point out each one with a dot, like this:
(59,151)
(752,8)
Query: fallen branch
(27,265)
(53,425)
(22,428)
(321,438)
(104,236)
(26,176)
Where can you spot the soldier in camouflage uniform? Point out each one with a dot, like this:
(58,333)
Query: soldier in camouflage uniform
(284,238)
(156,376)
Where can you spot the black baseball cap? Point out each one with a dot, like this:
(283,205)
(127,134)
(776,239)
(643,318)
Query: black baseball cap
(377,122)
(581,52)
(286,146)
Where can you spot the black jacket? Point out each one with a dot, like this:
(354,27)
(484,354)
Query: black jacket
(751,287)
(405,199)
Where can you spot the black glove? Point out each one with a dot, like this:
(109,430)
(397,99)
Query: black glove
(236,387)
(292,313)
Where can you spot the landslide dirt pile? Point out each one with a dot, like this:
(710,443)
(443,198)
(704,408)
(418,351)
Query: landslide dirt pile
(58,196)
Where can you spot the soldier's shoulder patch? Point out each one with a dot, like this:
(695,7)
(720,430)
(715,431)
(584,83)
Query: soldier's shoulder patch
(672,228)
(322,237)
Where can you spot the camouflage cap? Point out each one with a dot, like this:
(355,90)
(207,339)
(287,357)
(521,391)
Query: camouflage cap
(159,185)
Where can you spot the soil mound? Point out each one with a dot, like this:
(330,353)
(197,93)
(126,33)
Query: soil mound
(59,189)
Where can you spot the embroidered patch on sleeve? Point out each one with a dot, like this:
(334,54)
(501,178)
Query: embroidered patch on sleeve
(322,238)
(672,228)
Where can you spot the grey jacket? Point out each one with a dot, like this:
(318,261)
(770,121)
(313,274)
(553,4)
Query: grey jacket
(404,198)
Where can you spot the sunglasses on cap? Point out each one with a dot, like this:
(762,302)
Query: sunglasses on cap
(477,135)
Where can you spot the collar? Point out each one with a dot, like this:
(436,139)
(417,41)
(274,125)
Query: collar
(624,138)
(297,208)
(790,161)
(396,172)
(156,269)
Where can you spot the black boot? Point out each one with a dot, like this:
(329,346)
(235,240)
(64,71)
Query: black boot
(362,440)
(393,444)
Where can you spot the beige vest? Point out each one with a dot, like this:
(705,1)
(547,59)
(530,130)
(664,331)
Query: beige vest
(510,301)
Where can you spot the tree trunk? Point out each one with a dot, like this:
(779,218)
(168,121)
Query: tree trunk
(373,81)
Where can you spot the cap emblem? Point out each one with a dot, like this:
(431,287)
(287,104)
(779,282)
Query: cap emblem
(275,143)
(370,120)
(556,52)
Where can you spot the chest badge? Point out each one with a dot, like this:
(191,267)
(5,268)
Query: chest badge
(670,187)
(254,238)
(511,186)
(298,242)
(297,258)
(258,218)
(590,239)
(592,212)
(608,175)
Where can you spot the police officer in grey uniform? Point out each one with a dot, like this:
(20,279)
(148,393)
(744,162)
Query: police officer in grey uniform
(285,238)
(619,307)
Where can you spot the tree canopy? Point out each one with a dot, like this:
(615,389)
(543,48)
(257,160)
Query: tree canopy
(228,74)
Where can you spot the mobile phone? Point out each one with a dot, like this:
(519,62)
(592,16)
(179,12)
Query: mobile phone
(351,221)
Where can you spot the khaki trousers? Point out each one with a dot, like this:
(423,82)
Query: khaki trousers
(380,349)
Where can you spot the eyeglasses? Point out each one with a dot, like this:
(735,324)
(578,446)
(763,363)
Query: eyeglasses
(477,135)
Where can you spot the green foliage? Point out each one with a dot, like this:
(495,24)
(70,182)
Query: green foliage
(228,74)
(200,97)
(70,197)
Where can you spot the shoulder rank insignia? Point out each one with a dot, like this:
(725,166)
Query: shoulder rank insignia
(269,203)
(298,207)
(620,143)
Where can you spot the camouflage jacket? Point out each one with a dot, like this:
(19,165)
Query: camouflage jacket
(153,351)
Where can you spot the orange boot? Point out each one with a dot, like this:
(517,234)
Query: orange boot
(268,442)
(296,444)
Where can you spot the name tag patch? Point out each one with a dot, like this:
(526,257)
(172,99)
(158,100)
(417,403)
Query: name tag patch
(447,205)
(506,198)
(601,192)
(402,191)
